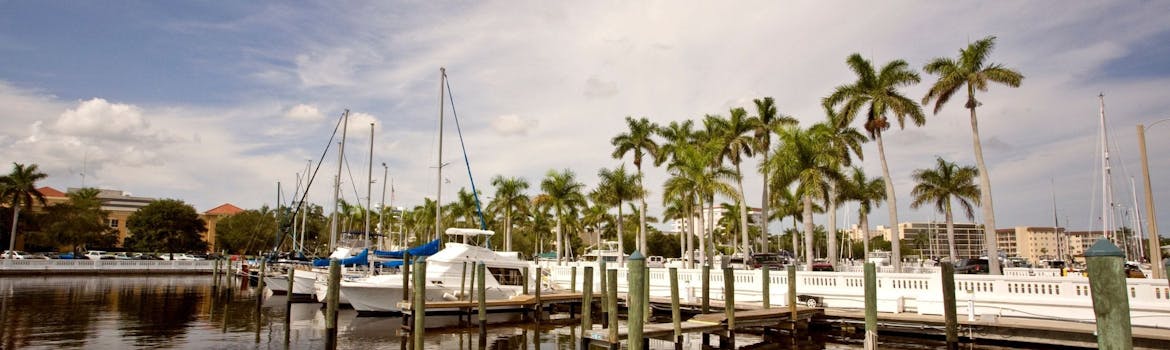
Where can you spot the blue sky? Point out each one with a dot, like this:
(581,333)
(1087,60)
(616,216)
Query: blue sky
(215,102)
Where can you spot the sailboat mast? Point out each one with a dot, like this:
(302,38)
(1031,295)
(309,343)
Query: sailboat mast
(1107,194)
(337,182)
(369,185)
(439,160)
(277,213)
(304,207)
(1056,224)
(1137,222)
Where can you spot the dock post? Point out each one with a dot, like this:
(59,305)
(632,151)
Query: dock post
(870,307)
(587,300)
(524,279)
(637,297)
(646,296)
(481,291)
(227,275)
(604,293)
(331,296)
(767,288)
(291,280)
(705,307)
(418,302)
(573,279)
(260,281)
(675,314)
(215,275)
(729,305)
(463,282)
(539,303)
(406,277)
(792,295)
(611,305)
(950,313)
(470,295)
(1110,300)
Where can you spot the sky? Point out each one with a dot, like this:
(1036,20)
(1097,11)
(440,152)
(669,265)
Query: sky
(216,102)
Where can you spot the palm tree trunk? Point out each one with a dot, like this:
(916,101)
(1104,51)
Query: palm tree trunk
(508,229)
(641,214)
(764,208)
(12,235)
(711,230)
(831,226)
(892,203)
(690,250)
(702,233)
(743,215)
(808,232)
(560,241)
(621,238)
(951,232)
(989,238)
(864,220)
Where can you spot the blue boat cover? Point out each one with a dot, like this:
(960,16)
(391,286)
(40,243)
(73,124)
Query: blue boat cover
(428,249)
(359,259)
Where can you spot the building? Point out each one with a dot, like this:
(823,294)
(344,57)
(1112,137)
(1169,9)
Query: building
(213,216)
(1033,243)
(930,239)
(1080,241)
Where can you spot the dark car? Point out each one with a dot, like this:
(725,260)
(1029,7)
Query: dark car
(773,261)
(973,266)
(822,266)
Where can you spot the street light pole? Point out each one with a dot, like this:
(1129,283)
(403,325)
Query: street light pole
(1155,244)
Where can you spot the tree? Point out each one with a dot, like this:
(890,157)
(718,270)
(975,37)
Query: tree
(247,231)
(939,186)
(562,194)
(19,189)
(804,157)
(735,142)
(167,225)
(972,71)
(842,141)
(680,187)
(614,188)
(877,93)
(638,142)
(511,198)
(866,192)
(80,222)
(765,121)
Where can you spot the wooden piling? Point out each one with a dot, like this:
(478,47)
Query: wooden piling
(524,279)
(675,313)
(604,292)
(573,279)
(950,313)
(539,304)
(792,293)
(260,280)
(646,295)
(636,295)
(729,302)
(587,300)
(1107,285)
(481,291)
(406,277)
(767,288)
(705,307)
(332,295)
(418,302)
(870,307)
(291,282)
(463,282)
(611,305)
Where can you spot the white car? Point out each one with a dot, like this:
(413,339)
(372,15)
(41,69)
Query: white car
(655,261)
(16,255)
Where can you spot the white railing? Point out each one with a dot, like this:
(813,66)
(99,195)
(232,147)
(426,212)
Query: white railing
(83,265)
(1033,293)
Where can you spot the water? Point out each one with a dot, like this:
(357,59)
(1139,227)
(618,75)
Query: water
(184,312)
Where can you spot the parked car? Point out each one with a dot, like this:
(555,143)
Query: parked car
(774,261)
(15,255)
(821,265)
(973,266)
(655,261)
(100,255)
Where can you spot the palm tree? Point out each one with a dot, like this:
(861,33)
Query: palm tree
(786,204)
(842,140)
(763,123)
(617,187)
(19,188)
(562,194)
(877,94)
(509,196)
(596,216)
(696,171)
(638,142)
(805,157)
(735,142)
(867,192)
(972,70)
(945,182)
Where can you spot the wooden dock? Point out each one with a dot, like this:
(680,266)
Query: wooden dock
(710,323)
(524,303)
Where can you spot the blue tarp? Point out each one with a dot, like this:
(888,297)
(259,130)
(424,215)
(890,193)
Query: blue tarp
(359,259)
(428,249)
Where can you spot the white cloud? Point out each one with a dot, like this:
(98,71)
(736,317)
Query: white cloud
(304,112)
(513,125)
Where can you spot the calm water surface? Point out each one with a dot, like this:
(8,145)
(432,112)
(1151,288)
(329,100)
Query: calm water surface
(185,312)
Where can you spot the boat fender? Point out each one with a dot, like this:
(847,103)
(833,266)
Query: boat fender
(449,297)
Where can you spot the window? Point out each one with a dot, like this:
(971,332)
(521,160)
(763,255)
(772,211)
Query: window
(113,223)
(507,276)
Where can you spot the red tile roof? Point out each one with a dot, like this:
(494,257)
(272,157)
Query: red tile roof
(50,192)
(224,209)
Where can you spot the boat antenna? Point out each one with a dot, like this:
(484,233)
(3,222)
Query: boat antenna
(474,193)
